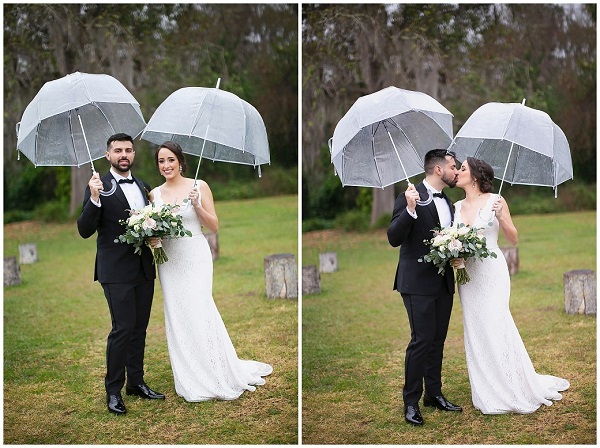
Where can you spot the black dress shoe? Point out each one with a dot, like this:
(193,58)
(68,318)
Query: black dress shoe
(412,415)
(115,404)
(144,391)
(441,403)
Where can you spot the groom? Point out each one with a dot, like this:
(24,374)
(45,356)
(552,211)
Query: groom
(427,295)
(127,278)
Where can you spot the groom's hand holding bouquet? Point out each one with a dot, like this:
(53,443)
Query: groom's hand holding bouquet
(456,242)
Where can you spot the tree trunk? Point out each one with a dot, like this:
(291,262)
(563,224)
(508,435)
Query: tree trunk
(281,276)
(328,262)
(580,292)
(79,180)
(311,281)
(511,254)
(213,242)
(383,202)
(28,253)
(12,272)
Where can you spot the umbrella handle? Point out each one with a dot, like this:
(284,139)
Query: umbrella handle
(426,201)
(490,218)
(111,191)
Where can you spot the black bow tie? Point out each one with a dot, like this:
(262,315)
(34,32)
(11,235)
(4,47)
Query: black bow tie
(439,195)
(125,181)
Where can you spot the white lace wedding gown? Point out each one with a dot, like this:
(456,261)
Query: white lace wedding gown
(501,374)
(204,362)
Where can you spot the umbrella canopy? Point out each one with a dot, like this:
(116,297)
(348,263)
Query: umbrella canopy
(384,136)
(70,119)
(211,123)
(523,145)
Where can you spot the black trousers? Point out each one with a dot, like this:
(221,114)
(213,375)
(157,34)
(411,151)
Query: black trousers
(429,317)
(129,305)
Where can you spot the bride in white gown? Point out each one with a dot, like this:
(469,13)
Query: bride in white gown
(501,374)
(204,362)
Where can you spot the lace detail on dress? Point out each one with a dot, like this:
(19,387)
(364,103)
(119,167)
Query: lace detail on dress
(203,359)
(501,374)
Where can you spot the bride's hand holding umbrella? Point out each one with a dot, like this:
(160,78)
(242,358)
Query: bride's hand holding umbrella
(201,198)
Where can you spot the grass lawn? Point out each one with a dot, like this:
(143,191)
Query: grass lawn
(56,323)
(355,333)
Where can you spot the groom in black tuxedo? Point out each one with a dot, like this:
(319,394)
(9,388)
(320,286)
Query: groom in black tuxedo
(427,295)
(127,278)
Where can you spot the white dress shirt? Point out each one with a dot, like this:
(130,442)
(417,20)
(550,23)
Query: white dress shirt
(441,206)
(132,192)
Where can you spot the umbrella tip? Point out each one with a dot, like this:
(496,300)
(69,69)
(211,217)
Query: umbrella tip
(218,83)
(523,102)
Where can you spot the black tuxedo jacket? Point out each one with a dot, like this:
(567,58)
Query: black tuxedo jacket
(412,276)
(115,262)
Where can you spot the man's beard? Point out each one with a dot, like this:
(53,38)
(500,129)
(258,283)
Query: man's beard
(122,170)
(450,182)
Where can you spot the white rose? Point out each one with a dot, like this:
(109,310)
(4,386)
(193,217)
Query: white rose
(455,245)
(135,218)
(463,231)
(149,223)
(438,240)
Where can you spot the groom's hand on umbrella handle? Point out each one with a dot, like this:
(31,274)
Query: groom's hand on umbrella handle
(412,196)
(96,186)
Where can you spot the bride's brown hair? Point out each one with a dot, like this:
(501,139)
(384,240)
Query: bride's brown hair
(482,172)
(175,149)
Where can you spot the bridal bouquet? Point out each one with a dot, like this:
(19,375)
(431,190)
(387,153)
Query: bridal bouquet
(151,221)
(456,242)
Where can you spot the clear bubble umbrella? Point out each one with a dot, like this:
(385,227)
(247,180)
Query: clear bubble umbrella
(211,123)
(523,145)
(70,119)
(384,136)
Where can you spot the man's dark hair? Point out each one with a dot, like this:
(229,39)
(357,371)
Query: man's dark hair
(436,157)
(120,137)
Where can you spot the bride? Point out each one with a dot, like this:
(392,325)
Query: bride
(501,374)
(203,359)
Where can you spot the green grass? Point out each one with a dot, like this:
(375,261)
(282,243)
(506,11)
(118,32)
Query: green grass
(56,323)
(355,332)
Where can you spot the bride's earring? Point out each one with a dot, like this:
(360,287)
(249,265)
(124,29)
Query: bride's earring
(473,183)
(180,170)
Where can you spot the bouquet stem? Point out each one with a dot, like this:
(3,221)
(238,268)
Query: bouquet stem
(159,256)
(462,276)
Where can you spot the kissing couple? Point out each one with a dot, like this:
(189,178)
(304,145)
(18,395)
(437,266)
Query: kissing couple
(501,375)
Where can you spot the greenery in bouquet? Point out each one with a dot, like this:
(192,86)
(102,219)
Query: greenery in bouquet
(151,221)
(459,241)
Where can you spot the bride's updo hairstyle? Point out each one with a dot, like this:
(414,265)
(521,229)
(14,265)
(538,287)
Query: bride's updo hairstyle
(176,149)
(482,172)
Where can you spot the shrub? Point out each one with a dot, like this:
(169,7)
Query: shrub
(313,224)
(52,211)
(383,222)
(353,221)
(17,215)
